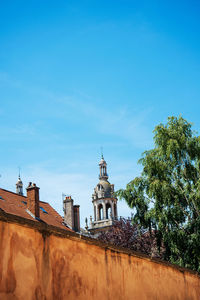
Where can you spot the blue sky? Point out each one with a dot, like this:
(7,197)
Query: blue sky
(78,75)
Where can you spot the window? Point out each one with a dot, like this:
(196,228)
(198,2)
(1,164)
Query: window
(44,211)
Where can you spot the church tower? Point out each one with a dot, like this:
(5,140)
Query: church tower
(104,201)
(19,186)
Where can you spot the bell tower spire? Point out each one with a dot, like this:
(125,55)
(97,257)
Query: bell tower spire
(104,201)
(19,185)
(103,169)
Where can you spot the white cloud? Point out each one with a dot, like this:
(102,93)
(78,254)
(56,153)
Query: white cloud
(123,122)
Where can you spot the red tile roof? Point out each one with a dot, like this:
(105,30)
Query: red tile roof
(16,204)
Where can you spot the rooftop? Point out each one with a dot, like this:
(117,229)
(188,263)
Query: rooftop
(16,204)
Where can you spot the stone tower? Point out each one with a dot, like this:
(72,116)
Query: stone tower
(19,186)
(104,201)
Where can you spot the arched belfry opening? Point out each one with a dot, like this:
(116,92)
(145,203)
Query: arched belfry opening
(108,211)
(95,213)
(104,201)
(100,211)
(115,210)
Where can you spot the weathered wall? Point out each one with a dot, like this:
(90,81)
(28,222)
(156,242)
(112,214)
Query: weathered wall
(36,263)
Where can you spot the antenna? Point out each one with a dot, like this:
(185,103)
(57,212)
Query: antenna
(63,196)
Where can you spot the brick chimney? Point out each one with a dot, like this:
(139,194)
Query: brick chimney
(76,218)
(33,199)
(68,211)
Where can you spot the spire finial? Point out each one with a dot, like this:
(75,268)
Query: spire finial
(19,184)
(101,152)
(19,169)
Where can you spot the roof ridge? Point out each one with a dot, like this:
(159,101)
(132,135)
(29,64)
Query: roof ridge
(12,193)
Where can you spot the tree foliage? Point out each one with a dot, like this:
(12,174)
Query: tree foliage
(166,196)
(125,233)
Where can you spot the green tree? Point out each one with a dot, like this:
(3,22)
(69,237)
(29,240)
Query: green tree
(166,196)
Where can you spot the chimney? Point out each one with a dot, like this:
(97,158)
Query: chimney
(68,211)
(33,199)
(76,218)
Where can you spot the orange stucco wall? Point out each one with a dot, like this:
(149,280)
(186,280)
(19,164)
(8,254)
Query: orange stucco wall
(36,264)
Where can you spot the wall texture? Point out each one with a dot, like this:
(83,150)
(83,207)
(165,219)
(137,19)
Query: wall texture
(40,262)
